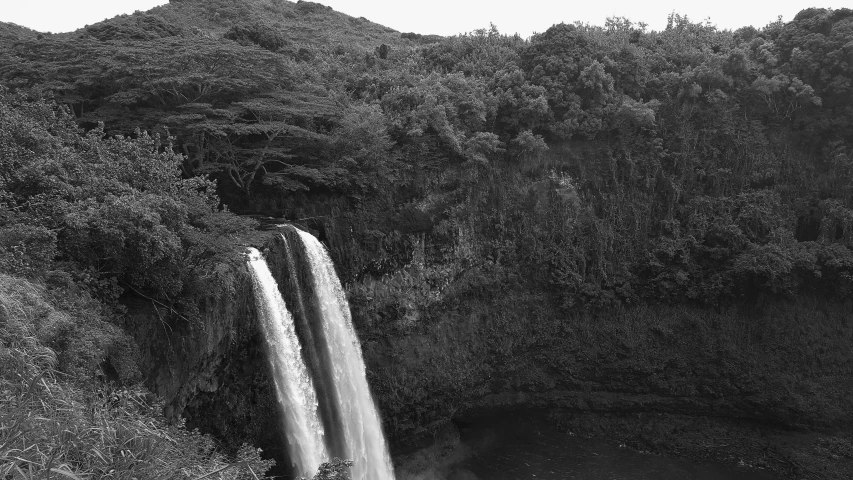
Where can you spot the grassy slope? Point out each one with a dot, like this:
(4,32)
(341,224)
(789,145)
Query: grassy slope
(55,419)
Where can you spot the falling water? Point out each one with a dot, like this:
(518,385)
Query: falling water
(294,388)
(363,438)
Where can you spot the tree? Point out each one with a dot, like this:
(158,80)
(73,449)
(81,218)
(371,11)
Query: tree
(255,139)
(115,209)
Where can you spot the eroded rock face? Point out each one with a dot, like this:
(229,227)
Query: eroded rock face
(512,352)
(503,348)
(184,356)
(668,380)
(211,369)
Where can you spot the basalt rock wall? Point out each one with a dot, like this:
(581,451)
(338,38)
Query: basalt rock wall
(210,366)
(485,349)
(511,352)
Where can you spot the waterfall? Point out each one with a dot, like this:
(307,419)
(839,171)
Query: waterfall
(298,294)
(294,388)
(364,442)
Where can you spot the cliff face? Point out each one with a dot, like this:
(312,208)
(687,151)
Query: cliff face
(511,352)
(183,357)
(490,349)
(211,368)
(768,387)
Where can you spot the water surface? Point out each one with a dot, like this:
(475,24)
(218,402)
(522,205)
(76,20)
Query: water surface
(535,450)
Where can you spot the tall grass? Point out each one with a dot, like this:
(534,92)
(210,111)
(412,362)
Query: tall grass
(59,425)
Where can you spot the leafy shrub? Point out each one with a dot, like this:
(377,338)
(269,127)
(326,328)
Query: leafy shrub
(75,427)
(337,469)
(26,249)
(112,211)
(260,34)
(133,27)
(305,7)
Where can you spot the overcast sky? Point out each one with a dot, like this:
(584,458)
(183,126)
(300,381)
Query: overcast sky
(448,17)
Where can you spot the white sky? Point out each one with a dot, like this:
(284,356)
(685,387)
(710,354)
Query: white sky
(449,17)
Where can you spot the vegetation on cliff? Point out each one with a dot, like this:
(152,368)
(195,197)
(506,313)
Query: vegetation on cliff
(58,419)
(84,219)
(586,170)
(690,164)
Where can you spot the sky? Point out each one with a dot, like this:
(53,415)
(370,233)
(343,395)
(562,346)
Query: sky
(450,17)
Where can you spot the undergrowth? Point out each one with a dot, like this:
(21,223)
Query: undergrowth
(56,423)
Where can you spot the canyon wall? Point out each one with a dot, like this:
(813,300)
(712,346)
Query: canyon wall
(484,349)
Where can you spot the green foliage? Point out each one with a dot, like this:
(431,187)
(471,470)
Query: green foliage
(587,168)
(302,23)
(262,35)
(133,27)
(11,32)
(337,469)
(453,108)
(815,47)
(67,322)
(521,106)
(362,134)
(27,249)
(74,427)
(529,144)
(689,164)
(114,210)
(481,53)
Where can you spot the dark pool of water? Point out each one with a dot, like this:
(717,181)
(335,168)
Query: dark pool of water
(528,451)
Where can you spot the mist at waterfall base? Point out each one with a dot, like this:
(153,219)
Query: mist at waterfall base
(322,357)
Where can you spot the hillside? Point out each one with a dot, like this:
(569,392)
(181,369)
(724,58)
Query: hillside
(602,222)
(10,32)
(295,25)
(300,23)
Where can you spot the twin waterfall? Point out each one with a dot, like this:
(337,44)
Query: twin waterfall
(294,387)
(315,358)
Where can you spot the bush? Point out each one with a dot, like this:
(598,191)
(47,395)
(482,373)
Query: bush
(25,249)
(55,423)
(113,212)
(260,34)
(337,469)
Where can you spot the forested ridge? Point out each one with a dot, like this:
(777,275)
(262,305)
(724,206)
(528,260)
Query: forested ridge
(599,168)
(687,164)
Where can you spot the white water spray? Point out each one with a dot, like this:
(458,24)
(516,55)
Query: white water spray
(294,388)
(364,440)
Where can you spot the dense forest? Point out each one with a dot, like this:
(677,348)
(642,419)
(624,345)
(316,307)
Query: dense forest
(603,170)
